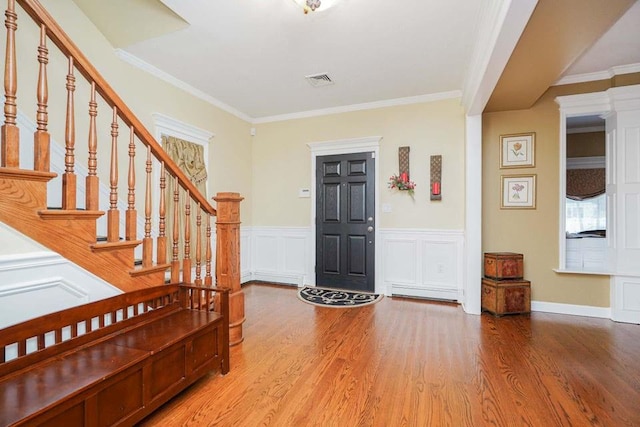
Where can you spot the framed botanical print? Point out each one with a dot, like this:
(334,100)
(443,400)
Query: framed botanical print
(518,192)
(517,151)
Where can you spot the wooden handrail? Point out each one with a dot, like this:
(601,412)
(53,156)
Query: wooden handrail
(38,13)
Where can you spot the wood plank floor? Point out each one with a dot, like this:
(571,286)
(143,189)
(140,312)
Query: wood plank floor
(404,362)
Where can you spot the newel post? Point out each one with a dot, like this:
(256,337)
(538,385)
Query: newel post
(228,259)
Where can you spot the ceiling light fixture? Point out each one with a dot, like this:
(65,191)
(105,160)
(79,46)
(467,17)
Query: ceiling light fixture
(313,5)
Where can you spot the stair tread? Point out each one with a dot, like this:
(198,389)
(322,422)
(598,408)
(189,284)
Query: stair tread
(26,174)
(140,270)
(69,214)
(121,244)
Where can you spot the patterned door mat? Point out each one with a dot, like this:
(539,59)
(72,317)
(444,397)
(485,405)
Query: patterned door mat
(336,297)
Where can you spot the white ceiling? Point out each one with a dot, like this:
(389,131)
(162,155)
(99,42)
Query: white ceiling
(251,56)
(618,46)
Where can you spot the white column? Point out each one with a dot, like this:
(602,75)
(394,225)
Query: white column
(473,215)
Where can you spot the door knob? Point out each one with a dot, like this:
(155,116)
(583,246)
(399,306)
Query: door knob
(369,229)
(370,219)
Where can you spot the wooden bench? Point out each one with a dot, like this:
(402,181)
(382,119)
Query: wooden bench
(114,361)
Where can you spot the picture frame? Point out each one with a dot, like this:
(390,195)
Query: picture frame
(518,192)
(518,150)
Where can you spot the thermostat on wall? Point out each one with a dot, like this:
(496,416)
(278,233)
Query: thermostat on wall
(304,192)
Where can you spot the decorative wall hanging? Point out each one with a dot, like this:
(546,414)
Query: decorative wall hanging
(436,177)
(517,151)
(402,181)
(518,192)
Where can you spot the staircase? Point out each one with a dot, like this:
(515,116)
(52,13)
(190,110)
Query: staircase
(70,230)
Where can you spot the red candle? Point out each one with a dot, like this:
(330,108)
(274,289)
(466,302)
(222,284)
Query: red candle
(404,177)
(436,188)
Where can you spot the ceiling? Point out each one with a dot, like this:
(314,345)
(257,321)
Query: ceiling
(251,56)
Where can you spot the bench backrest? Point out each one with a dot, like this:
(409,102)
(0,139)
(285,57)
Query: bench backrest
(28,342)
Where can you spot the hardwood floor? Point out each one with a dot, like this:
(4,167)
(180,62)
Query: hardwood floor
(404,362)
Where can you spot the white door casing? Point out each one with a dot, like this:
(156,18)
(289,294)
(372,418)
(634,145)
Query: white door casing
(620,107)
(347,146)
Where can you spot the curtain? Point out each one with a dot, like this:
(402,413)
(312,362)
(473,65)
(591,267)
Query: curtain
(190,159)
(585,183)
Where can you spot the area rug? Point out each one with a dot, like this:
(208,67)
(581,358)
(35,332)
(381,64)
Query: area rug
(336,298)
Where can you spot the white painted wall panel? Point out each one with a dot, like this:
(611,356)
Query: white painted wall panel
(422,263)
(43,282)
(400,260)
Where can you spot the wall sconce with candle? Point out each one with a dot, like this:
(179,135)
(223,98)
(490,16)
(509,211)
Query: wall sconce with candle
(436,177)
(402,181)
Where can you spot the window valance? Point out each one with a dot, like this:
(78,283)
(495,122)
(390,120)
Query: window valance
(585,183)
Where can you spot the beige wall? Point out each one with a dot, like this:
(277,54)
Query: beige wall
(230,149)
(535,232)
(588,144)
(282,163)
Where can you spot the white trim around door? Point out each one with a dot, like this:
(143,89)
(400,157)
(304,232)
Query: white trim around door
(346,146)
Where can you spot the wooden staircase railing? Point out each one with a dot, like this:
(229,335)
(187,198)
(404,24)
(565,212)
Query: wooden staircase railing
(196,207)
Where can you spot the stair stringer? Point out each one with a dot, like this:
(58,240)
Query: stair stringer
(22,201)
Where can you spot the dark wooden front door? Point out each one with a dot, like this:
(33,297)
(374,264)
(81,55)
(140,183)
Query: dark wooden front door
(345,234)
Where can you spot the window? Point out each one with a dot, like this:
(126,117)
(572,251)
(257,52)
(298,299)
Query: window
(589,215)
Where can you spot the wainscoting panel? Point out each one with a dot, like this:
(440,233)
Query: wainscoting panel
(422,263)
(279,254)
(45,282)
(245,254)
(625,299)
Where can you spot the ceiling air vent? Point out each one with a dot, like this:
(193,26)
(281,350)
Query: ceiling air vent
(317,80)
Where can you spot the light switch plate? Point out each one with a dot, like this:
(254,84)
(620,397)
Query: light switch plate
(304,193)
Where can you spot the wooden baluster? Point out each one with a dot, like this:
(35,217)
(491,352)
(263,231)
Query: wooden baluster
(162,239)
(10,139)
(186,261)
(113,216)
(131,215)
(198,280)
(41,137)
(147,242)
(175,263)
(41,342)
(207,277)
(69,176)
(92,182)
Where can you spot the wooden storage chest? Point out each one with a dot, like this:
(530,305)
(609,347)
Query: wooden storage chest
(503,265)
(506,296)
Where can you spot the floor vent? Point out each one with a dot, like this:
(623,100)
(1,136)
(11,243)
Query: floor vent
(317,80)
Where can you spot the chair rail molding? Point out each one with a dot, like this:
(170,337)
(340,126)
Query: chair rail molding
(45,282)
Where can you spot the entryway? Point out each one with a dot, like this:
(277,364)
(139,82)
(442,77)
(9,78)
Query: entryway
(345,209)
(351,264)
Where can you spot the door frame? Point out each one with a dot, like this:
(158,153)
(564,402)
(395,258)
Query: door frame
(337,147)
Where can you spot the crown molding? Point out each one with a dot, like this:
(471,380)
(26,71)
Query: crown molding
(599,75)
(145,66)
(365,106)
(587,129)
(595,162)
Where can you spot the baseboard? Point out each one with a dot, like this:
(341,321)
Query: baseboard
(571,309)
(293,279)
